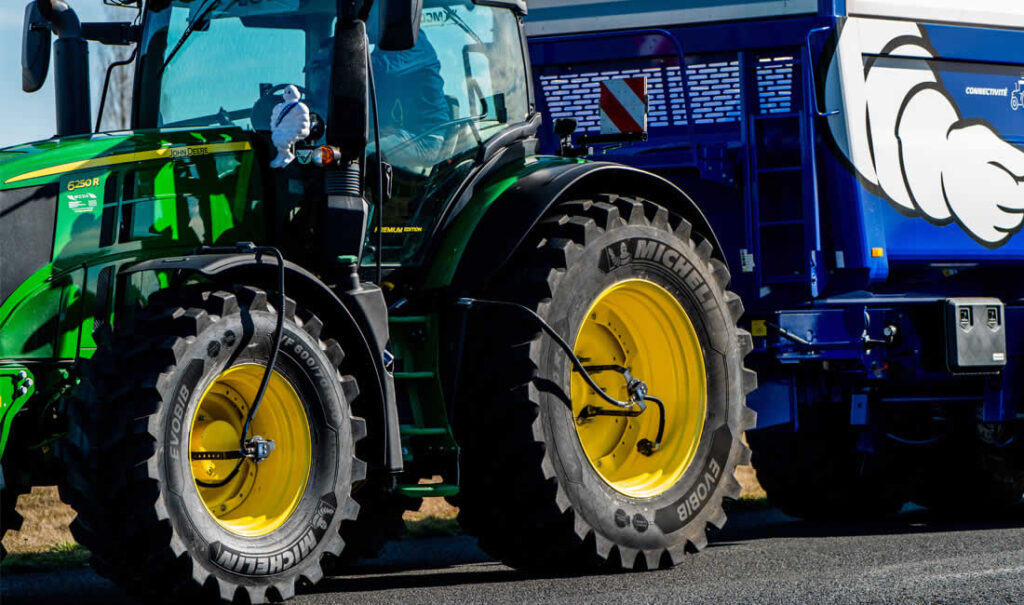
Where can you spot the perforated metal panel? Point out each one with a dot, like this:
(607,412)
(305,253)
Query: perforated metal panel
(714,91)
(775,85)
(578,95)
(714,82)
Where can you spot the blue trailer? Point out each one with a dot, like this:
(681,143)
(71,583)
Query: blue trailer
(862,164)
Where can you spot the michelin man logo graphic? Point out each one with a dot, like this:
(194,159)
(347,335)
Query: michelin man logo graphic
(904,135)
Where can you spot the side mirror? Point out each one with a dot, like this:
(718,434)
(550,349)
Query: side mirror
(399,24)
(35,49)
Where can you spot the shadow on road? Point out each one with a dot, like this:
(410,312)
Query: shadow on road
(457,561)
(770,523)
(384,580)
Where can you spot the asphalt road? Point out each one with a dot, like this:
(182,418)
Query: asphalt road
(761,557)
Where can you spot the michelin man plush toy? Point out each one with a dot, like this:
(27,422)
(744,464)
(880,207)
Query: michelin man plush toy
(289,124)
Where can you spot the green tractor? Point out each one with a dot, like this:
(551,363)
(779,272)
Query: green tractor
(238,349)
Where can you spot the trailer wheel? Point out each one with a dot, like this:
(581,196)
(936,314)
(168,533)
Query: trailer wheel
(547,487)
(160,519)
(820,475)
(978,471)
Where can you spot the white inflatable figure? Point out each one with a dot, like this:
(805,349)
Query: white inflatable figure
(904,135)
(289,124)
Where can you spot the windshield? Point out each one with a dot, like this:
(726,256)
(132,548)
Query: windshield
(235,61)
(226,62)
(464,82)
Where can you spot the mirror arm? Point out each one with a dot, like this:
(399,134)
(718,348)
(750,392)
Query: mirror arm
(72,53)
(63,21)
(112,34)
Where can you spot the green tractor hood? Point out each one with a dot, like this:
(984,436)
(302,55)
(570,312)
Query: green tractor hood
(48,161)
(72,206)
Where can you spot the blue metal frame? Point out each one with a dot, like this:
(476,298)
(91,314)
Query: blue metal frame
(640,32)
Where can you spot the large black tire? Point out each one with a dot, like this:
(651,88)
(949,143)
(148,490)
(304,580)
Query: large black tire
(977,470)
(818,473)
(127,450)
(529,492)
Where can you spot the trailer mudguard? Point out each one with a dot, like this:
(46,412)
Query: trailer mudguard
(513,214)
(361,314)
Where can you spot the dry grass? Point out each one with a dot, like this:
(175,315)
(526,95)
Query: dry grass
(752,490)
(58,556)
(432,507)
(46,522)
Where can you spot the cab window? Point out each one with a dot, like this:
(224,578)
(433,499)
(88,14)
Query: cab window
(463,83)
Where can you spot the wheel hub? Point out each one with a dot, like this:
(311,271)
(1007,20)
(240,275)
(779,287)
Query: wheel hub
(213,436)
(641,327)
(266,488)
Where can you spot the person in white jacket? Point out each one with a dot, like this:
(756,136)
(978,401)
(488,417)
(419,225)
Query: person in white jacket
(289,124)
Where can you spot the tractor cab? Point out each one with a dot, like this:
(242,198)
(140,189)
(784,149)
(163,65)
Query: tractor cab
(461,81)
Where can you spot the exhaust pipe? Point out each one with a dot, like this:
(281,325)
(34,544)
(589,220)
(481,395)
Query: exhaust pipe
(74,104)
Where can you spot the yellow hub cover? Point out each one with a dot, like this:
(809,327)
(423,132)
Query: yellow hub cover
(639,325)
(261,497)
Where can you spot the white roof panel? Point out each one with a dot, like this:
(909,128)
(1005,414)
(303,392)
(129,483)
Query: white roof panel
(553,17)
(993,13)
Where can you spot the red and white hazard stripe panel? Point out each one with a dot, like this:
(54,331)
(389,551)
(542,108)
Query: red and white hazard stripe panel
(624,106)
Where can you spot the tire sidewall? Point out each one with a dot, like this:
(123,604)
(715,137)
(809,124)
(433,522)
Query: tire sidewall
(298,542)
(657,255)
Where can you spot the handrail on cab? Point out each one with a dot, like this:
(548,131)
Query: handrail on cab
(810,73)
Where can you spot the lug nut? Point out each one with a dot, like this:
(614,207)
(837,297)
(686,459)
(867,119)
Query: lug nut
(890,331)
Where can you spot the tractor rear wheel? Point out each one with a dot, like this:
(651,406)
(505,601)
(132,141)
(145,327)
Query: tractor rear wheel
(162,519)
(546,485)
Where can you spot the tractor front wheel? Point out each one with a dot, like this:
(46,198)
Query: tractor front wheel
(554,477)
(164,503)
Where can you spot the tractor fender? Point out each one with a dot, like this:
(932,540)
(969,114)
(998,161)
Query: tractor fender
(359,316)
(514,214)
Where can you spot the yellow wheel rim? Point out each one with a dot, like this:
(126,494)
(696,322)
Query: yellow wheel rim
(261,497)
(641,326)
